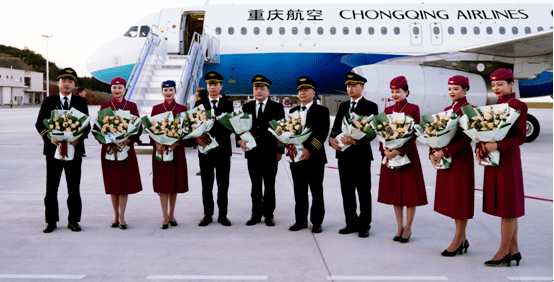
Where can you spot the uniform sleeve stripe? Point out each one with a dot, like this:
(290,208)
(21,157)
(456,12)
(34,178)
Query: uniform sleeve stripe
(43,132)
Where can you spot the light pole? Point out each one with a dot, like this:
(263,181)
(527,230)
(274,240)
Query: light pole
(47,69)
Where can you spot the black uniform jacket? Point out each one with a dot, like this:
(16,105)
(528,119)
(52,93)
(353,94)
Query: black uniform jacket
(54,103)
(318,119)
(221,134)
(266,143)
(364,107)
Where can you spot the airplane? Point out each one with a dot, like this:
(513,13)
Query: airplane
(427,43)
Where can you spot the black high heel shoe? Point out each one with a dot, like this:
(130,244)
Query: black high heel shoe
(505,260)
(459,250)
(466,245)
(405,240)
(517,257)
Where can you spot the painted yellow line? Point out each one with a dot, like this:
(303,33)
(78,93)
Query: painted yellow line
(539,105)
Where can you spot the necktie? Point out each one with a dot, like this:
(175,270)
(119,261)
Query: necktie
(303,108)
(65,104)
(260,105)
(353,106)
(214,106)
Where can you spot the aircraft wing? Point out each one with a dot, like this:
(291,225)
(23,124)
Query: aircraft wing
(528,55)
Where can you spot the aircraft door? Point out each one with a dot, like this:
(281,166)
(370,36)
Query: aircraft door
(415,34)
(193,22)
(436,34)
(169,24)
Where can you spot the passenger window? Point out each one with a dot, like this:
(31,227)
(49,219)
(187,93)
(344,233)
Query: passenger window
(502,30)
(476,30)
(320,30)
(144,30)
(514,30)
(371,31)
(307,30)
(450,30)
(463,30)
(415,30)
(281,30)
(345,30)
(396,30)
(294,31)
(333,31)
(231,31)
(256,30)
(218,30)
(383,30)
(132,32)
(358,30)
(489,30)
(269,31)
(540,28)
(243,31)
(436,30)
(527,30)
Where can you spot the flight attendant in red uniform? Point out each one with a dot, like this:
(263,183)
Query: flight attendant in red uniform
(455,188)
(171,177)
(402,187)
(121,178)
(503,186)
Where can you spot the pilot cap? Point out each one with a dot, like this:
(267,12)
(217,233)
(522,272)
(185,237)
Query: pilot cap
(502,74)
(168,83)
(354,78)
(458,80)
(67,73)
(118,81)
(398,82)
(213,77)
(305,82)
(260,80)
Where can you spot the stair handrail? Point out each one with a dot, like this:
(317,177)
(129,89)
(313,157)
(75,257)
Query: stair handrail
(188,69)
(152,40)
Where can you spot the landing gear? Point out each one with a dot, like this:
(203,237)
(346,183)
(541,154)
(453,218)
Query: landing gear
(533,128)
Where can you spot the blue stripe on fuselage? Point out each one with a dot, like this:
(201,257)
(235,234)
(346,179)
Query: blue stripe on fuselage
(539,86)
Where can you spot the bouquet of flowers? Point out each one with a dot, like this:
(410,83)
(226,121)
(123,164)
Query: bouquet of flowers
(198,122)
(292,131)
(488,124)
(113,128)
(239,123)
(393,131)
(165,129)
(356,127)
(66,126)
(437,132)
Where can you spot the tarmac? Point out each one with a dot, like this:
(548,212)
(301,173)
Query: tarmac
(251,253)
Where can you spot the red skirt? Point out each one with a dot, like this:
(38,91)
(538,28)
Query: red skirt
(171,177)
(404,186)
(455,188)
(121,177)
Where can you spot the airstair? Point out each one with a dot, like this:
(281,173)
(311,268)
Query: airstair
(154,66)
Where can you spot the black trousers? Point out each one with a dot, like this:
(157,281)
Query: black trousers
(54,170)
(356,176)
(308,174)
(222,165)
(262,169)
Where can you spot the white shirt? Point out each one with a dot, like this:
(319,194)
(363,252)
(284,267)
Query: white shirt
(307,106)
(264,103)
(62,100)
(216,101)
(357,101)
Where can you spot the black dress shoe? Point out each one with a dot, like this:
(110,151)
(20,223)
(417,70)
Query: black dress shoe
(165,226)
(296,227)
(122,226)
(269,221)
(173,223)
(114,224)
(363,233)
(224,221)
(348,230)
(459,250)
(517,257)
(74,226)
(205,221)
(253,221)
(396,238)
(317,228)
(49,228)
(505,260)
(405,240)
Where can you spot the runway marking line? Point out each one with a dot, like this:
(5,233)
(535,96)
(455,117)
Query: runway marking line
(204,277)
(530,278)
(528,197)
(40,276)
(390,278)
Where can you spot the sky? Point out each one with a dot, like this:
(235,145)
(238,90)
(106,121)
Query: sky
(81,26)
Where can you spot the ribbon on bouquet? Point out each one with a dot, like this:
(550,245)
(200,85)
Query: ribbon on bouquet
(113,149)
(291,152)
(63,149)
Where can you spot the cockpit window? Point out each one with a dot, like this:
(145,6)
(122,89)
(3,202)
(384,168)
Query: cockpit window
(132,32)
(144,30)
